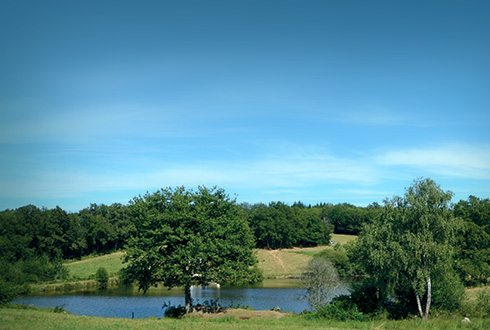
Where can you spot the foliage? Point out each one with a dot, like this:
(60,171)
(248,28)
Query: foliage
(347,218)
(31,271)
(102,277)
(29,232)
(172,311)
(448,292)
(282,226)
(8,291)
(403,251)
(366,297)
(106,227)
(339,259)
(473,245)
(15,277)
(341,308)
(320,280)
(185,237)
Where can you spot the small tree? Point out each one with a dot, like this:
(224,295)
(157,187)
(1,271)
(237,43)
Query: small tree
(320,280)
(184,238)
(102,277)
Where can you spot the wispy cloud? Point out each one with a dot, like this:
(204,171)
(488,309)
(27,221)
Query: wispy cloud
(285,173)
(457,160)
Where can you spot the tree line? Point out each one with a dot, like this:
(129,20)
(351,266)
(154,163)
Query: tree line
(28,232)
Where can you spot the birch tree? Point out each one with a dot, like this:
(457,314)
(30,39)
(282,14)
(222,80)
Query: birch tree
(321,281)
(411,241)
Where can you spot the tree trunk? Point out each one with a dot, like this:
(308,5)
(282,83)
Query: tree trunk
(425,315)
(429,298)
(419,305)
(188,299)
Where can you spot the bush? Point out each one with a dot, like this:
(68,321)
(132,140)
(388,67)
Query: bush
(102,277)
(448,292)
(172,311)
(338,257)
(367,298)
(8,291)
(341,308)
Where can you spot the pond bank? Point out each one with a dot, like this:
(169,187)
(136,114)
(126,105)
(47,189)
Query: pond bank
(71,286)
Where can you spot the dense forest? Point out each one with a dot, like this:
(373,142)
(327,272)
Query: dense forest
(34,242)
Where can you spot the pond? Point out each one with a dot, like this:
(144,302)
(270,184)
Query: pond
(127,302)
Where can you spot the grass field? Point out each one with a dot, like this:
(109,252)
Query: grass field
(86,268)
(273,263)
(40,319)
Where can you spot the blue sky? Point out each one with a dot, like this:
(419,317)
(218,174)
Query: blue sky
(318,101)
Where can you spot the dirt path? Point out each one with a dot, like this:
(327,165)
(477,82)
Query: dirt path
(273,253)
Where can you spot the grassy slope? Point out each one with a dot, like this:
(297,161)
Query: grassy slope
(38,319)
(273,263)
(86,268)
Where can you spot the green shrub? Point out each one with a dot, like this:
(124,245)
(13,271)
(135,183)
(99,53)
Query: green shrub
(448,292)
(172,311)
(338,257)
(341,308)
(102,277)
(367,297)
(8,291)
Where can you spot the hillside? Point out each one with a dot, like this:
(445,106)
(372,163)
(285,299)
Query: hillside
(273,263)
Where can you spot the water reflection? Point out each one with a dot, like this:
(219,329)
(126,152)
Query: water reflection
(124,301)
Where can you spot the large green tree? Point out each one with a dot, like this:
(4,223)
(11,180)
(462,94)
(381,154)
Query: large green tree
(410,246)
(184,237)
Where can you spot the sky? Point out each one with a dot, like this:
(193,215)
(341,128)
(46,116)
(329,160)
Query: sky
(315,101)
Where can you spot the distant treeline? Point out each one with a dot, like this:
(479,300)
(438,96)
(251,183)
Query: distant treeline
(31,233)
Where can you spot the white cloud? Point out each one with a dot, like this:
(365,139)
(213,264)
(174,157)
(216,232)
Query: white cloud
(455,160)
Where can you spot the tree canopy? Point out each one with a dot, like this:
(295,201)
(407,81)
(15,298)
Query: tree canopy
(185,237)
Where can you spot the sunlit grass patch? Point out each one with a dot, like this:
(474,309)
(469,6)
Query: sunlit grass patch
(86,268)
(342,238)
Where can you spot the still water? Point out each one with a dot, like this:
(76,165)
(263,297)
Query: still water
(124,302)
